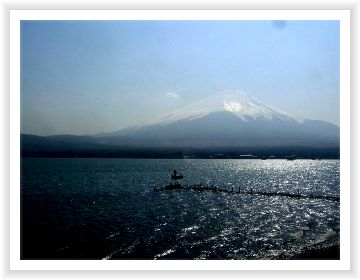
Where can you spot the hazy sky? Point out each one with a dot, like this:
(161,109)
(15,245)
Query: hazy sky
(85,77)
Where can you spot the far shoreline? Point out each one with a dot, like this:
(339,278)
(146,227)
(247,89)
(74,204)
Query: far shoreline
(178,154)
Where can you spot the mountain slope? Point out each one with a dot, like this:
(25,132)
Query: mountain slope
(232,119)
(231,123)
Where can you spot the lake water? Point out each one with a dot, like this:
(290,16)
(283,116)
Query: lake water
(107,209)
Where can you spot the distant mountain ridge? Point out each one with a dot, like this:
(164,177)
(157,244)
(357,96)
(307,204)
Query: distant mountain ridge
(231,120)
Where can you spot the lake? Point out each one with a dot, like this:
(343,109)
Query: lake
(92,208)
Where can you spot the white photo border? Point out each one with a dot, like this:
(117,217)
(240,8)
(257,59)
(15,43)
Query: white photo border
(17,15)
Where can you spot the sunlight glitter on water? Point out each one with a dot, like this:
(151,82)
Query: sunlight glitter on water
(115,214)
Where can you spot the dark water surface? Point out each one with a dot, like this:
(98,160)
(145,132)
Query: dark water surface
(106,209)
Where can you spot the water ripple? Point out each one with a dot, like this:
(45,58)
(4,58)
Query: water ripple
(106,208)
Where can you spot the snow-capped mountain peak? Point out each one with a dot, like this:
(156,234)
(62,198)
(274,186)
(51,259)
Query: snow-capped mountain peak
(235,102)
(229,119)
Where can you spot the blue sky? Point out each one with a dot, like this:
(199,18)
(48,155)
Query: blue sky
(86,77)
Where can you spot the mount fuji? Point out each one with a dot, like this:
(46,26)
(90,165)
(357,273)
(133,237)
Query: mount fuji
(230,119)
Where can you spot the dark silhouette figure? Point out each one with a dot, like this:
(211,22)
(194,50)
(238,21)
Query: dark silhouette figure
(175,177)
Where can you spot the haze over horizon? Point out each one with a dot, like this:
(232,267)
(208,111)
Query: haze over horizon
(87,77)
